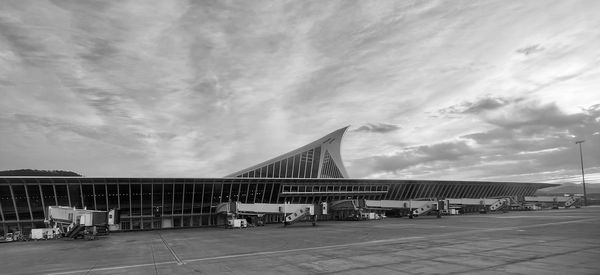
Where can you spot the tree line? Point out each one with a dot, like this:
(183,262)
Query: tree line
(36,173)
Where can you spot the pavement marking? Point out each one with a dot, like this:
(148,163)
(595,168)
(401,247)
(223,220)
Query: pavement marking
(555,217)
(552,223)
(386,241)
(301,249)
(236,255)
(153,259)
(179,262)
(465,227)
(517,228)
(110,268)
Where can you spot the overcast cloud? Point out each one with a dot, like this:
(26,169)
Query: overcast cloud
(465,90)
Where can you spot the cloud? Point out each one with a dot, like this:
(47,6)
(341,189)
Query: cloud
(426,155)
(528,140)
(515,112)
(175,88)
(535,115)
(378,128)
(482,104)
(540,136)
(530,49)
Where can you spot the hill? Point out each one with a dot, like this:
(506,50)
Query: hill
(38,173)
(569,188)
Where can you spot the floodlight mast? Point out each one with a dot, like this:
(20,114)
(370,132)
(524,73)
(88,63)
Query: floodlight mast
(582,173)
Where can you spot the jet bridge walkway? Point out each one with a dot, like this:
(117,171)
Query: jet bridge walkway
(556,201)
(291,212)
(422,206)
(415,207)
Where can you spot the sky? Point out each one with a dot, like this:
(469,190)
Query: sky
(441,90)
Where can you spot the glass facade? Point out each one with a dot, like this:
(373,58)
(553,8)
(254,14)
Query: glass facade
(319,159)
(330,170)
(172,202)
(302,165)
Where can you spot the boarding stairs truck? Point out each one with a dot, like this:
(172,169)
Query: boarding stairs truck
(298,213)
(424,208)
(79,223)
(500,204)
(572,201)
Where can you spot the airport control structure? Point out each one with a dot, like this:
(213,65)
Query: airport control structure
(309,183)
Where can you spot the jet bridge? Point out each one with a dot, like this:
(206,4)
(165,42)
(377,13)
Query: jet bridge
(74,223)
(291,212)
(414,207)
(422,207)
(556,201)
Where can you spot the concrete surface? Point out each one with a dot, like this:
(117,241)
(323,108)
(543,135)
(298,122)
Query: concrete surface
(564,241)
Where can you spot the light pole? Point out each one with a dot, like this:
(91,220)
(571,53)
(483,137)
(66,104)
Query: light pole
(582,174)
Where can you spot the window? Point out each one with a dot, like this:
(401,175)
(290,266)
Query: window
(75,195)
(47,195)
(197,204)
(7,203)
(35,200)
(283,168)
(290,167)
(88,196)
(296,166)
(147,199)
(100,196)
(136,201)
(270,168)
(113,196)
(178,199)
(235,192)
(168,199)
(302,165)
(62,195)
(276,169)
(315,162)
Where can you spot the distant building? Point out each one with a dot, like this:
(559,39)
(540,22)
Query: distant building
(310,174)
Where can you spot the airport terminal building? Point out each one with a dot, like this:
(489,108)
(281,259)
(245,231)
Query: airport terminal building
(313,173)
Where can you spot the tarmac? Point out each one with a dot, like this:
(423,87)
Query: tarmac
(564,241)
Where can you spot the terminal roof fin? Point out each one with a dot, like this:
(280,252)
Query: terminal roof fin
(308,161)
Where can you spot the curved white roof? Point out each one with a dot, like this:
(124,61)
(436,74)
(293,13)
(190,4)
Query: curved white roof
(318,159)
